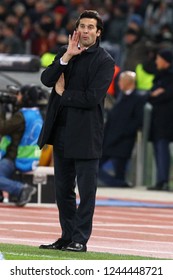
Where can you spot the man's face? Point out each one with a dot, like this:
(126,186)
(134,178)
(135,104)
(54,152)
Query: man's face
(126,82)
(88,32)
(122,83)
(19,97)
(129,39)
(161,63)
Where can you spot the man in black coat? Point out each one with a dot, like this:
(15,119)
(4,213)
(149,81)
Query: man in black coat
(80,76)
(161,133)
(124,120)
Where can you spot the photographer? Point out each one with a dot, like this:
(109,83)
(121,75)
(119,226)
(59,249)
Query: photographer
(18,145)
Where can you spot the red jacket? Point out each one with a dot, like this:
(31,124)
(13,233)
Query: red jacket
(111,89)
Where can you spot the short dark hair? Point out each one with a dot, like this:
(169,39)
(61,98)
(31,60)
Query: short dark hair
(31,94)
(91,14)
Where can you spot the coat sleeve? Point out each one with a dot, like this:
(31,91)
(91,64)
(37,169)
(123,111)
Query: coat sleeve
(51,74)
(99,82)
(136,122)
(163,97)
(167,95)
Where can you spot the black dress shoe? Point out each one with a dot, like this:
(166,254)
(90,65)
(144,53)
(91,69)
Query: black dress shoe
(57,245)
(127,185)
(123,185)
(159,187)
(1,196)
(75,247)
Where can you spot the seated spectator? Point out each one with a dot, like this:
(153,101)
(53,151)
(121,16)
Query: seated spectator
(11,43)
(134,49)
(164,38)
(158,13)
(136,23)
(117,24)
(18,145)
(124,120)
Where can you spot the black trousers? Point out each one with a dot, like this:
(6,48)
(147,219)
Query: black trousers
(75,218)
(119,166)
(163,159)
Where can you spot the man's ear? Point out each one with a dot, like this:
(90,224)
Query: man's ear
(98,33)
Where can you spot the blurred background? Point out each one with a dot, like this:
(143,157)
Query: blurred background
(31,32)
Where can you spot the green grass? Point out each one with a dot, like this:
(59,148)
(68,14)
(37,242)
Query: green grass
(23,252)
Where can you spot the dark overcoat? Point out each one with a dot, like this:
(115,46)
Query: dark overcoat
(162,107)
(87,78)
(124,120)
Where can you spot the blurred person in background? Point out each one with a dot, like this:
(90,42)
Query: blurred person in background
(161,130)
(164,38)
(157,14)
(10,43)
(133,50)
(18,145)
(145,71)
(123,122)
(116,24)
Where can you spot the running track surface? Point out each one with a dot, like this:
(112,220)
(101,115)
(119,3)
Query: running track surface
(120,230)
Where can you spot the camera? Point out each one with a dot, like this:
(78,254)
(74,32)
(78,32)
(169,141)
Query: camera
(7,97)
(30,93)
(33,96)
